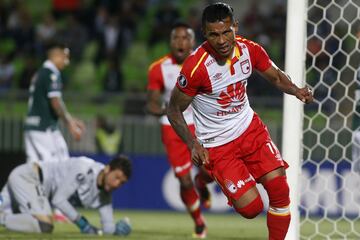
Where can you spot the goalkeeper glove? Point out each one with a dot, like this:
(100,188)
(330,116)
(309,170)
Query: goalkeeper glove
(123,227)
(86,227)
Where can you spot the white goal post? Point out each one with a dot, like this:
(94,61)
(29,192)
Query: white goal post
(323,52)
(293,111)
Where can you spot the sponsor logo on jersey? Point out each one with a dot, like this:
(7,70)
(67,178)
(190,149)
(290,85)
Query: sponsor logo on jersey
(242,183)
(182,81)
(234,92)
(245,66)
(210,62)
(217,76)
(230,186)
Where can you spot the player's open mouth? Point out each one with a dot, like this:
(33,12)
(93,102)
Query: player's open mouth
(180,50)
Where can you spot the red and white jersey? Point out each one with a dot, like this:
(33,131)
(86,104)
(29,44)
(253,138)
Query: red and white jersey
(162,76)
(221,107)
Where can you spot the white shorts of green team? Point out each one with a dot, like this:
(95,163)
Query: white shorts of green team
(47,145)
(24,192)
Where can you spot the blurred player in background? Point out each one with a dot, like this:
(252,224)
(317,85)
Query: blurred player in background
(43,139)
(231,140)
(34,186)
(161,80)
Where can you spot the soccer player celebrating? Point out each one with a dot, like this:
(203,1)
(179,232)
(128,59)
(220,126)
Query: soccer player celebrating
(231,140)
(34,187)
(162,79)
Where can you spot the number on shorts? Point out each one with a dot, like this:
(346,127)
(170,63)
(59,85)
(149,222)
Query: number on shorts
(272,147)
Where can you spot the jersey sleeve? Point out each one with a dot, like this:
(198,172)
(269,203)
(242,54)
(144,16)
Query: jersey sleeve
(53,84)
(259,58)
(106,218)
(191,75)
(155,79)
(61,196)
(76,176)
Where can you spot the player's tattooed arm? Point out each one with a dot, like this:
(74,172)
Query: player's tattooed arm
(75,126)
(283,82)
(179,101)
(154,105)
(59,107)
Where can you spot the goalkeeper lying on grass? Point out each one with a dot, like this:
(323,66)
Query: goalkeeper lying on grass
(33,188)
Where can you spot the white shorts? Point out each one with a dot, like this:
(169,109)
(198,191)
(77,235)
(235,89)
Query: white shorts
(45,146)
(27,192)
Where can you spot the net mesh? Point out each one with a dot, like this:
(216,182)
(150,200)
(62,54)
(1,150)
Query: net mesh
(330,197)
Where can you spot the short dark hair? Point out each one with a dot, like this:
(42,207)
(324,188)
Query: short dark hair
(217,12)
(122,163)
(178,24)
(55,44)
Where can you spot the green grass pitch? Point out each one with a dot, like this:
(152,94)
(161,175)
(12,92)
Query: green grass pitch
(160,225)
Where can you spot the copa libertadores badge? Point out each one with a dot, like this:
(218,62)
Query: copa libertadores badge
(182,81)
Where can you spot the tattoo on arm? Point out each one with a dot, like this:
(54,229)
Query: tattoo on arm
(60,109)
(178,103)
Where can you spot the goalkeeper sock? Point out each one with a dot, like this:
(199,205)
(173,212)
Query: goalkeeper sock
(278,216)
(22,222)
(191,200)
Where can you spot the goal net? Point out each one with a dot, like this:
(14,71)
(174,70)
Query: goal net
(329,182)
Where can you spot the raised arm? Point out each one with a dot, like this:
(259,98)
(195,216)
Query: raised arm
(283,82)
(179,101)
(75,126)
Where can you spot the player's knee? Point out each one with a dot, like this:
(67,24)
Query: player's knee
(278,191)
(252,209)
(46,227)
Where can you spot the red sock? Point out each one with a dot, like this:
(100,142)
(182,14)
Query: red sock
(191,200)
(277,225)
(278,216)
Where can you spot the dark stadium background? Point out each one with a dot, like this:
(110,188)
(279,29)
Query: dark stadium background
(26,27)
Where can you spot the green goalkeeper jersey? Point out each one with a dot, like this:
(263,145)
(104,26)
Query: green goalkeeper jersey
(46,83)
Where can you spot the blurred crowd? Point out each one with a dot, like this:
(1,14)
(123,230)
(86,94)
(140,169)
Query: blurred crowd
(112,42)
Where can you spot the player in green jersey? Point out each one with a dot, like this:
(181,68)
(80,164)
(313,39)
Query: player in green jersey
(43,139)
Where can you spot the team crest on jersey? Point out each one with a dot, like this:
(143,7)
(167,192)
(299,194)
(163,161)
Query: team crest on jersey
(230,186)
(245,66)
(53,77)
(182,81)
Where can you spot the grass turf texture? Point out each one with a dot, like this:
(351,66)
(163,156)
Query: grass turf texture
(164,225)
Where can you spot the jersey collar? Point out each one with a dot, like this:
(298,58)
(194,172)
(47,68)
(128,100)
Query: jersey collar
(50,65)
